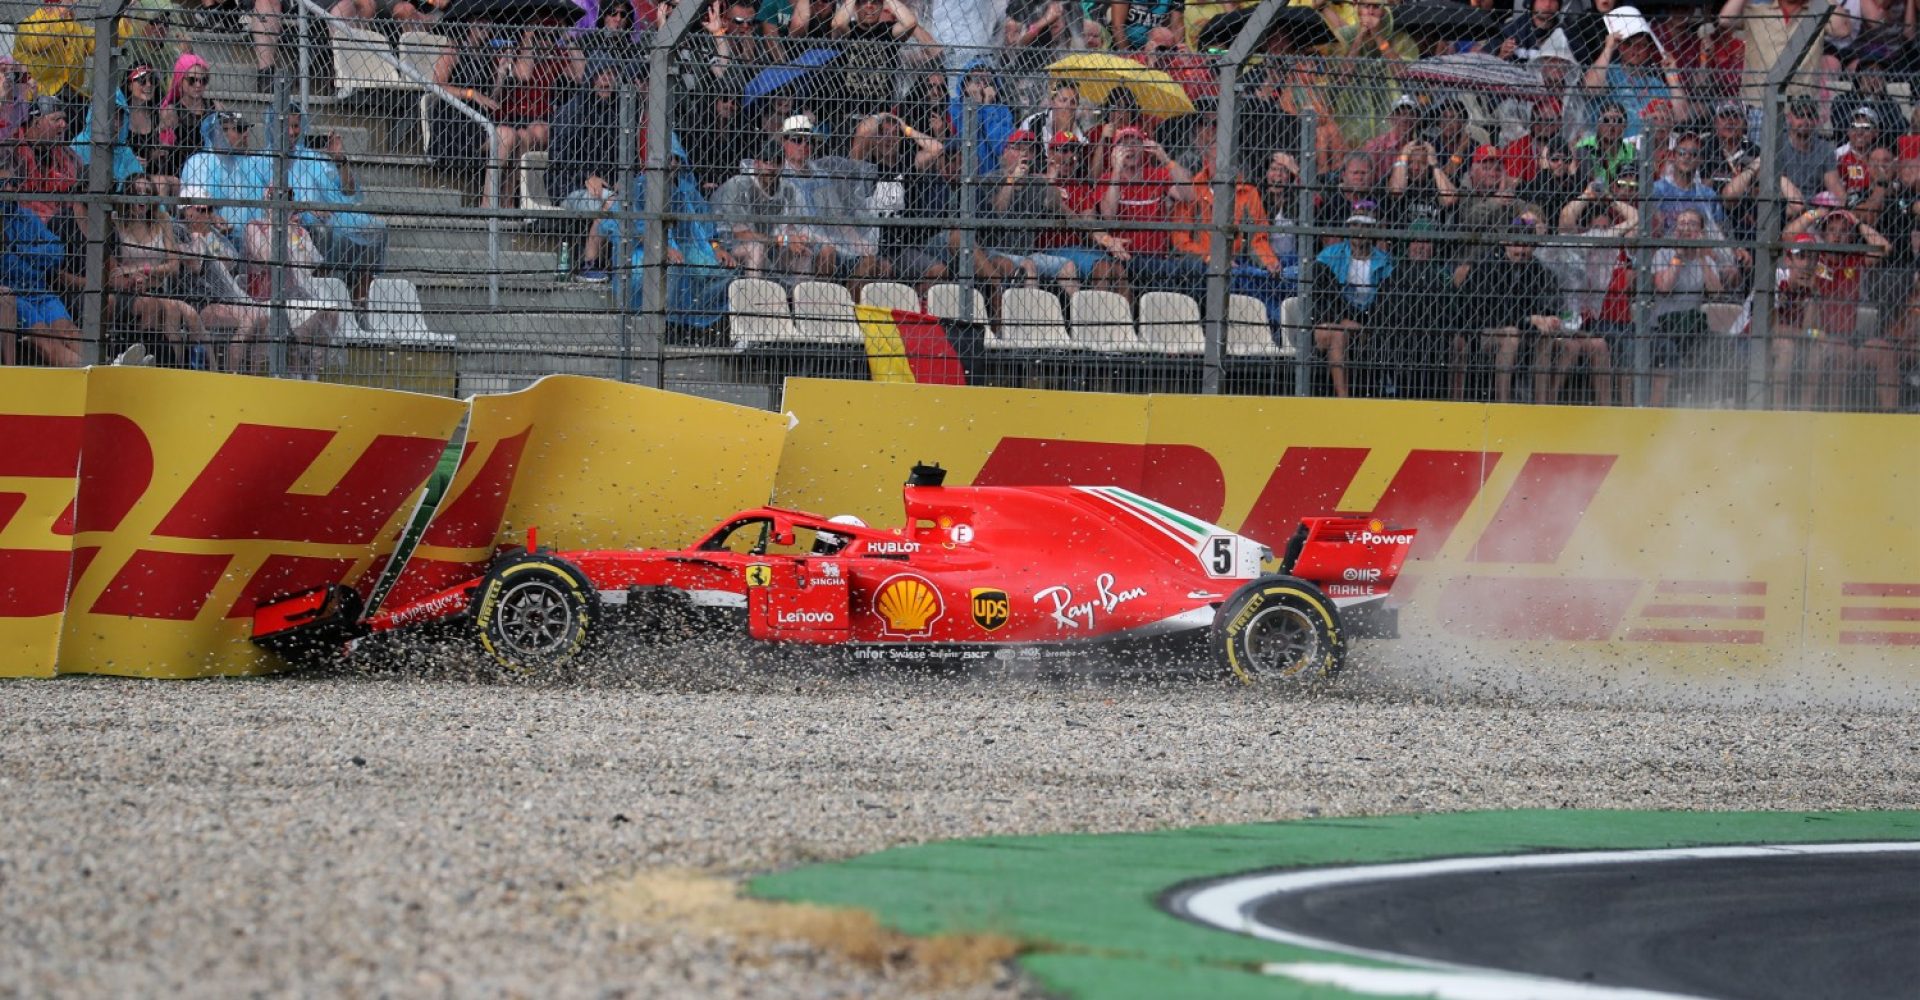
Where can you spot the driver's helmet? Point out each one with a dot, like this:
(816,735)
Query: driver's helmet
(827,543)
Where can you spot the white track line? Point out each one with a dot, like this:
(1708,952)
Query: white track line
(1229,906)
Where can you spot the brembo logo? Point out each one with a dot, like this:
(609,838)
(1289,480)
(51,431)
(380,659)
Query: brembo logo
(244,498)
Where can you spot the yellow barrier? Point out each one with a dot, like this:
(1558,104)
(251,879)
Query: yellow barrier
(143,513)
(1678,541)
(593,464)
(202,494)
(39,461)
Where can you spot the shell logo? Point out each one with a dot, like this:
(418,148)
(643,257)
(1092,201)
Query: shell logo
(1376,526)
(908,605)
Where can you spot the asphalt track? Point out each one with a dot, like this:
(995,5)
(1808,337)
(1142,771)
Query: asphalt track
(1683,905)
(1763,923)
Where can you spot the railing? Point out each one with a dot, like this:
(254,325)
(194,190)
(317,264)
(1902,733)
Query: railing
(1239,279)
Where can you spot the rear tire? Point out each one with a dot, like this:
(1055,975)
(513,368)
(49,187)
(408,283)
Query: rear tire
(535,614)
(1279,630)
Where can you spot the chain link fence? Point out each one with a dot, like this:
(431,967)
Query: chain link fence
(1674,205)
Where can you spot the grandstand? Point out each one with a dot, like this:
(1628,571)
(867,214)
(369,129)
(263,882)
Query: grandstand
(1669,204)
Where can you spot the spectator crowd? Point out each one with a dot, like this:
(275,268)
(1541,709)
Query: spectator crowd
(1517,200)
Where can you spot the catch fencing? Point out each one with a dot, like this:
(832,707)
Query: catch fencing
(1414,204)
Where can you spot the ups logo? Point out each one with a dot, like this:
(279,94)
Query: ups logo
(991,609)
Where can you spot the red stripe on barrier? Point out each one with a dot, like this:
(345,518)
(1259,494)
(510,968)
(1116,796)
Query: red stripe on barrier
(1754,587)
(172,586)
(1529,608)
(1880,614)
(1742,637)
(1721,612)
(1880,638)
(282,575)
(1542,508)
(1880,590)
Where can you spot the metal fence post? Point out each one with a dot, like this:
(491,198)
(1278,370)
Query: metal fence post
(1222,228)
(969,199)
(619,256)
(1305,243)
(1766,235)
(282,334)
(653,243)
(93,311)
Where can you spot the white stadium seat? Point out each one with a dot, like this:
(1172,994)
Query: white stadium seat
(757,313)
(1103,321)
(823,314)
(1032,321)
(890,295)
(1170,324)
(1249,335)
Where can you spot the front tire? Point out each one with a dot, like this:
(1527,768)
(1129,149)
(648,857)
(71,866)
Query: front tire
(535,613)
(1279,630)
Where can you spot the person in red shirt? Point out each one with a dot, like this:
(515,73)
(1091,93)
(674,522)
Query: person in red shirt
(1522,157)
(1142,186)
(1836,348)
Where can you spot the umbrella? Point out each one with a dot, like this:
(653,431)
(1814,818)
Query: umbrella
(775,77)
(1473,71)
(1423,19)
(1097,73)
(511,11)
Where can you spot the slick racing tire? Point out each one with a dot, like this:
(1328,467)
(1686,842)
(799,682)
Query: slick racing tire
(1279,630)
(535,613)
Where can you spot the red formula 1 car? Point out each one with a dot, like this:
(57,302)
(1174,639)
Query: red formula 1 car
(974,572)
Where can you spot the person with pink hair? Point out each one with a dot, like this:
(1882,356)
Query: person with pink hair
(186,107)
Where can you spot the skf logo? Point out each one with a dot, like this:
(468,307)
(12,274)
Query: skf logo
(759,574)
(991,608)
(908,605)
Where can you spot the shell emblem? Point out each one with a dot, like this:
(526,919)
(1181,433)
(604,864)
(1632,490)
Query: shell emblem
(908,605)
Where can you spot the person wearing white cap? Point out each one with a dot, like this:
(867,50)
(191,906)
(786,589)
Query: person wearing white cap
(1345,292)
(1635,70)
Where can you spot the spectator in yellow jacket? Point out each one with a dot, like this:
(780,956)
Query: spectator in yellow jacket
(56,49)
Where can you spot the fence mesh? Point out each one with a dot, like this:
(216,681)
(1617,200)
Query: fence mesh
(1528,202)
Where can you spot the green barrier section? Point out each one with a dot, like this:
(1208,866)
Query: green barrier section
(1086,905)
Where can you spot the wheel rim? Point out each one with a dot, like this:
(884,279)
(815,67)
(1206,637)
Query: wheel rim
(1280,642)
(535,618)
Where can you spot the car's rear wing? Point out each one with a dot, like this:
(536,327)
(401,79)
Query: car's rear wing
(1351,559)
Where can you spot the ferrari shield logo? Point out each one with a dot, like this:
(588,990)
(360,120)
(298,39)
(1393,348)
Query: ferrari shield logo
(759,574)
(991,609)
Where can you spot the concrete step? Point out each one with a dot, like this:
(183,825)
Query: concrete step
(554,297)
(528,330)
(454,232)
(477,263)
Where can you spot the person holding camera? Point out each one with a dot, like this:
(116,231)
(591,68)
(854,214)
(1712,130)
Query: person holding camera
(1836,349)
(1683,277)
(1417,188)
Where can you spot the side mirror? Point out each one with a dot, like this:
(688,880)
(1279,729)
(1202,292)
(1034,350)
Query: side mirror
(783,536)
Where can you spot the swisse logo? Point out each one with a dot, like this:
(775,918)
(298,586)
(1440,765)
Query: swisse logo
(804,617)
(1372,538)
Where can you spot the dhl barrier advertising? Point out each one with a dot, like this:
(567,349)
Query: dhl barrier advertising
(144,514)
(40,433)
(181,499)
(588,463)
(1673,542)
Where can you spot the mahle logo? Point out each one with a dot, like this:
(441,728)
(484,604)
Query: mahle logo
(991,608)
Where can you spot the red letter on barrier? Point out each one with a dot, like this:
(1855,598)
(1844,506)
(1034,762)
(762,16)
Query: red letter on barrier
(1431,491)
(1541,510)
(169,585)
(1182,476)
(243,493)
(33,582)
